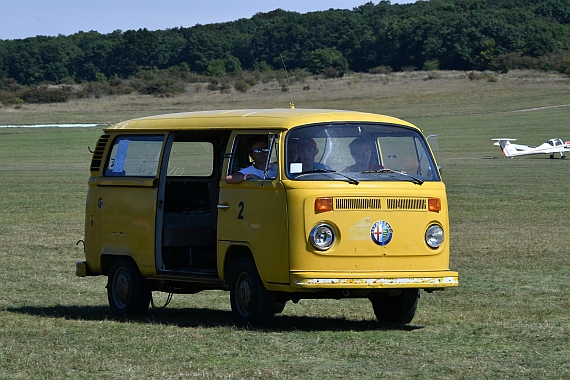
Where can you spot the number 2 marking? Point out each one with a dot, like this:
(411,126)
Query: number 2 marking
(241,206)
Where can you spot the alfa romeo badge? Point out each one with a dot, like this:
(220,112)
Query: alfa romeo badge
(381,232)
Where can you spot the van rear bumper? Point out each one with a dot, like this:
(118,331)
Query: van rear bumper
(82,269)
(374,280)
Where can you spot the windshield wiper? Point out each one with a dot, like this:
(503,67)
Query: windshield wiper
(351,180)
(413,179)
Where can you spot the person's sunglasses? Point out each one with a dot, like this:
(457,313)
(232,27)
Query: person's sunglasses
(259,151)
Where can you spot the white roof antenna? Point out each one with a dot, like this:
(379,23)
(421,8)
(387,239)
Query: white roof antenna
(291,105)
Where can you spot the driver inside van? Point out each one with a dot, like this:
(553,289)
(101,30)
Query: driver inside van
(258,151)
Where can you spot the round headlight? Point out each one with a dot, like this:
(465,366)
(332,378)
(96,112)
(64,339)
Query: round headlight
(322,236)
(434,236)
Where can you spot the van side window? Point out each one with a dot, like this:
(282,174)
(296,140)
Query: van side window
(240,156)
(191,159)
(134,156)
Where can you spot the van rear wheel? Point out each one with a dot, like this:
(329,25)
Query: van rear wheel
(251,303)
(127,289)
(398,309)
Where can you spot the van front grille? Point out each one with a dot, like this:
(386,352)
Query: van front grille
(358,203)
(406,204)
(97,158)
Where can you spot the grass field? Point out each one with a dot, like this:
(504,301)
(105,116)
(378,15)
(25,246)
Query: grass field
(510,236)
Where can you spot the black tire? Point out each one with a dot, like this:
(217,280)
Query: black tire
(251,303)
(279,307)
(127,290)
(398,309)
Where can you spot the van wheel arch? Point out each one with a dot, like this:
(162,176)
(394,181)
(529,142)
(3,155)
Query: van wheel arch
(233,256)
(106,262)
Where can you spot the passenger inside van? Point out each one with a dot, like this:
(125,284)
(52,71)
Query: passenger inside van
(307,152)
(361,151)
(259,152)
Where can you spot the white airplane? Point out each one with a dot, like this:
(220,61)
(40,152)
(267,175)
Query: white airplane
(551,147)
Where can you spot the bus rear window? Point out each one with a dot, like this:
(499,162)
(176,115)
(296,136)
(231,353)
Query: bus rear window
(134,156)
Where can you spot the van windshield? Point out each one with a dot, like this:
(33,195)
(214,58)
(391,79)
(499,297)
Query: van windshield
(359,152)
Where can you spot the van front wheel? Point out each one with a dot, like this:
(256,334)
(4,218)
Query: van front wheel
(127,290)
(251,303)
(398,309)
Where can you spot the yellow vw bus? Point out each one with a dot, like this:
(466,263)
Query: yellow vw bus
(342,205)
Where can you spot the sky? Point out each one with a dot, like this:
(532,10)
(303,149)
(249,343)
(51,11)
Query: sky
(29,18)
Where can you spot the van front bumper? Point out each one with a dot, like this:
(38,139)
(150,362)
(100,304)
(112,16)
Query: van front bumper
(393,280)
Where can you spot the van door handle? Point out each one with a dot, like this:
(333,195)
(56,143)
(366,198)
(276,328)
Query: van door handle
(223,206)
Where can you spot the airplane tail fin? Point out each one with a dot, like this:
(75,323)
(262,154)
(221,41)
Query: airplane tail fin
(506,147)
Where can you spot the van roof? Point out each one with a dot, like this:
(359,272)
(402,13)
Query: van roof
(249,118)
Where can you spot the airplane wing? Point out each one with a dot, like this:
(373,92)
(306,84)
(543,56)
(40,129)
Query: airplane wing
(498,140)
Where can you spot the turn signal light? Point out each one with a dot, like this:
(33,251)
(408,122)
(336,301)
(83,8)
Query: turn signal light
(323,205)
(434,204)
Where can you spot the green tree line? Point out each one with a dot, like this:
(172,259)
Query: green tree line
(436,34)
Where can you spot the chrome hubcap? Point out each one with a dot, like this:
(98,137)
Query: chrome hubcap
(122,288)
(245,296)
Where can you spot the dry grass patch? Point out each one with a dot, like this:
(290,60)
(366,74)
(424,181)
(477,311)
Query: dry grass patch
(406,94)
